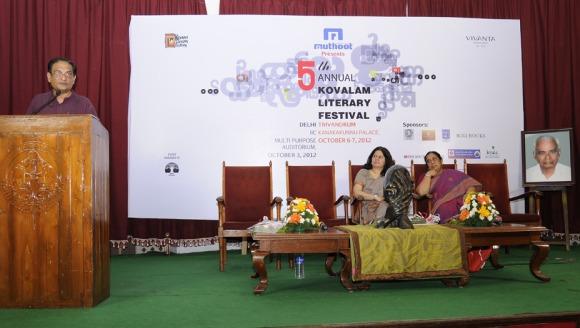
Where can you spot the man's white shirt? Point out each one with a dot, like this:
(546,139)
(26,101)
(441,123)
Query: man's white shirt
(562,173)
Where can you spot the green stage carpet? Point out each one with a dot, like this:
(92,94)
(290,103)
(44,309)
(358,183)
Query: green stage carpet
(156,290)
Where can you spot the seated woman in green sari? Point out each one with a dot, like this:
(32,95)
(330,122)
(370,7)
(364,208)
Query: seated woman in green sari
(446,186)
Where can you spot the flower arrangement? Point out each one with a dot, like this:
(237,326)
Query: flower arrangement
(300,217)
(478,210)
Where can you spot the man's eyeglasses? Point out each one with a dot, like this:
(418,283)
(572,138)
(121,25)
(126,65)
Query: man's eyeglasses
(551,152)
(60,74)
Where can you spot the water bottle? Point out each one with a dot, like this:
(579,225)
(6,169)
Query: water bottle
(299,266)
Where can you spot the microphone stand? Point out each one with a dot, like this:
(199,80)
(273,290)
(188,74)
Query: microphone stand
(56,94)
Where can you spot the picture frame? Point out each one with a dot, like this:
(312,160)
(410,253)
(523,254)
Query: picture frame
(547,158)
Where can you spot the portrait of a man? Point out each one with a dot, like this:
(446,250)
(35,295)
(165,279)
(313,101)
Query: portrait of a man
(548,167)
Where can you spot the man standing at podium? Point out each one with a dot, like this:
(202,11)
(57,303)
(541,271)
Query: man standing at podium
(61,99)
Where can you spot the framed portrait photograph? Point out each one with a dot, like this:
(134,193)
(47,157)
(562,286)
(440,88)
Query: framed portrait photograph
(547,158)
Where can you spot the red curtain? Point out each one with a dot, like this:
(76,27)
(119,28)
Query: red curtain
(94,33)
(550,33)
(314,7)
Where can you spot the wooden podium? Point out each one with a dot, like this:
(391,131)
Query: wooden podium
(54,211)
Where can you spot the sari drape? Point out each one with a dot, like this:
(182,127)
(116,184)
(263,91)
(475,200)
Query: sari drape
(447,190)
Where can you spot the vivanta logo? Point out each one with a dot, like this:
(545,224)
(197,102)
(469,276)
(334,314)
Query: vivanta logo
(173,40)
(480,41)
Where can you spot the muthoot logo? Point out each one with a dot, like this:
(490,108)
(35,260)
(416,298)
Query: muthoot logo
(331,36)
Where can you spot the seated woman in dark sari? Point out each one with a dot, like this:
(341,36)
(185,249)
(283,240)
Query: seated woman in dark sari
(447,187)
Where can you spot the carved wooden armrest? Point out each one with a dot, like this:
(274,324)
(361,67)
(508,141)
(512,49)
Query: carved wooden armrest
(342,199)
(277,200)
(536,193)
(418,197)
(221,208)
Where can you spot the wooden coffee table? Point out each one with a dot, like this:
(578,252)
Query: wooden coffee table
(331,242)
(509,235)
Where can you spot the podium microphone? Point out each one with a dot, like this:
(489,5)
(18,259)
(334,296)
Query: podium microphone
(56,94)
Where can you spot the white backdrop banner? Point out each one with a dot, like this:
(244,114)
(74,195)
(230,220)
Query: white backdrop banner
(309,90)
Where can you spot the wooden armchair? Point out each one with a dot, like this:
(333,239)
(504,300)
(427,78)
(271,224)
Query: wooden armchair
(423,203)
(246,199)
(494,179)
(317,184)
(355,204)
